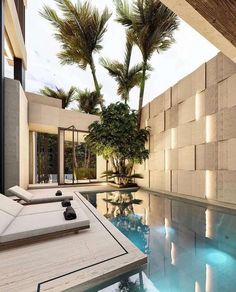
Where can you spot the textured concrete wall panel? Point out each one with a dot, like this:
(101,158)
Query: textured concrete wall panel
(187,111)
(211,72)
(223,155)
(193,141)
(229,123)
(226,186)
(160,180)
(207,156)
(199,131)
(231,154)
(225,67)
(157,123)
(186,158)
(171,159)
(157,160)
(184,135)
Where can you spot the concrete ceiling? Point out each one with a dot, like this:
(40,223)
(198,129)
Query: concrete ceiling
(213,19)
(220,14)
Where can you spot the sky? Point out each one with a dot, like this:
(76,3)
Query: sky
(188,53)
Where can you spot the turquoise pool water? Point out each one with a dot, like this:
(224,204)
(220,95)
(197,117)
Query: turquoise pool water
(189,247)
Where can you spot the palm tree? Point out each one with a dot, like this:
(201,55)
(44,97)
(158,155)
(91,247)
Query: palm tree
(152,25)
(65,96)
(125,77)
(80,30)
(88,101)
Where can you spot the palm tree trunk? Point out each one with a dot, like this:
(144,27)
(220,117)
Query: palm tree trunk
(126,97)
(141,95)
(97,87)
(85,155)
(129,47)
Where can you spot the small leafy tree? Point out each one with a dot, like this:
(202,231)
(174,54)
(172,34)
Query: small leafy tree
(117,138)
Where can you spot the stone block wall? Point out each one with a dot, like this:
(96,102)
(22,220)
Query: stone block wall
(16,135)
(193,134)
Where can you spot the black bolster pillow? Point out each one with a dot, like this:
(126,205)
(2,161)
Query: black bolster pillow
(69,213)
(58,193)
(66,203)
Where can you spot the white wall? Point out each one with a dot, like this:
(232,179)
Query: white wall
(23,140)
(42,99)
(101,167)
(16,135)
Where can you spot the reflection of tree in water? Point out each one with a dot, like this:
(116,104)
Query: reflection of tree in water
(129,286)
(122,204)
(123,217)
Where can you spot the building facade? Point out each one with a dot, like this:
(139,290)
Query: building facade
(192,142)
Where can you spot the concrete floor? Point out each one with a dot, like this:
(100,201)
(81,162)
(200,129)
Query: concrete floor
(73,262)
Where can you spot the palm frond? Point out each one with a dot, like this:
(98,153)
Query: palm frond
(88,101)
(80,30)
(123,12)
(65,96)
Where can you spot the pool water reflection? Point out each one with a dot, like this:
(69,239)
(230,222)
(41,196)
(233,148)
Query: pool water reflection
(189,247)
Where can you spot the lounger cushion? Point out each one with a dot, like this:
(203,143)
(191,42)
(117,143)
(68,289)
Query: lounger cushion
(21,193)
(5,220)
(44,223)
(40,200)
(45,208)
(9,206)
(31,199)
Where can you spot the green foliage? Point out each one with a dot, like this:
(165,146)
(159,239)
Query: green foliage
(125,176)
(84,173)
(46,156)
(80,31)
(88,101)
(65,96)
(127,285)
(116,137)
(117,134)
(126,77)
(151,23)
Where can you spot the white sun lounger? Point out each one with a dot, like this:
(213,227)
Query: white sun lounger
(24,224)
(30,199)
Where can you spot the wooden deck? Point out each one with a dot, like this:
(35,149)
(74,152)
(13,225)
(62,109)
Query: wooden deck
(73,262)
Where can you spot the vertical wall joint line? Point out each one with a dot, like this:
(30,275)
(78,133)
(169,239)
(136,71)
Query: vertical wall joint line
(2,100)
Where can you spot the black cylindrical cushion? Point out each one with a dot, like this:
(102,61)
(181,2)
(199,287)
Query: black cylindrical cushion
(66,203)
(59,193)
(69,213)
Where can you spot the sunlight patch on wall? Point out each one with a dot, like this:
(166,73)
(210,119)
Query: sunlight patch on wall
(173,254)
(197,287)
(167,226)
(208,218)
(210,184)
(208,287)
